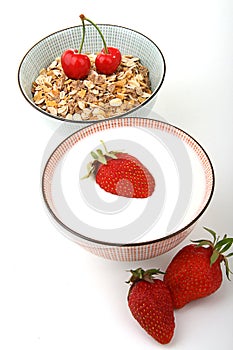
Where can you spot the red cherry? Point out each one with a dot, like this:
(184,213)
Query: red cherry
(107,63)
(75,65)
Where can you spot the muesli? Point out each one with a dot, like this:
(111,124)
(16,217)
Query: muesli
(96,97)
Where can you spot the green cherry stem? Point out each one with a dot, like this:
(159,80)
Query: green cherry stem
(83,18)
(83,38)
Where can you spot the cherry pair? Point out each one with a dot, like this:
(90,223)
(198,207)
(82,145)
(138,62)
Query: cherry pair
(77,65)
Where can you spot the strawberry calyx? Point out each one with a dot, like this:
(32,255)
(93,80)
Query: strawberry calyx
(144,275)
(99,157)
(219,246)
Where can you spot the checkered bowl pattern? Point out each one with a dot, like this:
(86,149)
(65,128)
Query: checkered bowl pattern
(126,40)
(131,251)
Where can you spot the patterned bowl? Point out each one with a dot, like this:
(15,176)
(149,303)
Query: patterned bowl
(129,229)
(128,41)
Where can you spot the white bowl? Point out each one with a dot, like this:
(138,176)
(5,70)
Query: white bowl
(121,228)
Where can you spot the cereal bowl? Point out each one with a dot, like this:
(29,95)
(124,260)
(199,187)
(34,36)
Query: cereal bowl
(130,42)
(129,229)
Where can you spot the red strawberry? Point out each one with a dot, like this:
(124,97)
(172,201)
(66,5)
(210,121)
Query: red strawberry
(150,303)
(195,271)
(121,174)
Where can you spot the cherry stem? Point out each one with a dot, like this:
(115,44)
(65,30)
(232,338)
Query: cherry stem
(84,31)
(83,18)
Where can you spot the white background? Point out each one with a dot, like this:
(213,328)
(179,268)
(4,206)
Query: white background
(53,294)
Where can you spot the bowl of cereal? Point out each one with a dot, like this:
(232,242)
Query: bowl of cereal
(133,86)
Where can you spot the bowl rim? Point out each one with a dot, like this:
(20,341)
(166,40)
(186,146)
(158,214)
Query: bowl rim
(135,244)
(90,121)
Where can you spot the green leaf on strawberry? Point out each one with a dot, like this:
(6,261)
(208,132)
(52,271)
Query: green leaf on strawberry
(219,247)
